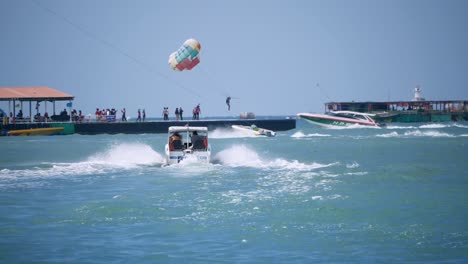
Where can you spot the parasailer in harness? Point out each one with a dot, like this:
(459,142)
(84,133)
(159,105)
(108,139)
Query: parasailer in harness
(228,102)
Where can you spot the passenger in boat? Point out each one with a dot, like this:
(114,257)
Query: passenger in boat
(175,142)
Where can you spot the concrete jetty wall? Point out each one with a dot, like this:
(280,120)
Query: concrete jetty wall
(94,128)
(162,126)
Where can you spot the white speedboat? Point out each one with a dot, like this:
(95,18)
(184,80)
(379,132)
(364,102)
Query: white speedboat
(341,118)
(254,130)
(187,143)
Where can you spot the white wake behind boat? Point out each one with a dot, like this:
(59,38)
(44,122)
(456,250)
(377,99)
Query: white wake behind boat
(341,119)
(254,130)
(187,143)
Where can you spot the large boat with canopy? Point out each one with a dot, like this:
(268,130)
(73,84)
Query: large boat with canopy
(340,119)
(187,143)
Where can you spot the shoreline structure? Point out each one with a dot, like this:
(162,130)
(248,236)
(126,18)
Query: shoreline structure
(416,110)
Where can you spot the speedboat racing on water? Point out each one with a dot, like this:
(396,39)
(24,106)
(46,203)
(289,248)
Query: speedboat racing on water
(254,130)
(187,142)
(341,119)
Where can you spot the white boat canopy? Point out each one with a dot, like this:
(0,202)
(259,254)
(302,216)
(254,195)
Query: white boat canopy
(173,129)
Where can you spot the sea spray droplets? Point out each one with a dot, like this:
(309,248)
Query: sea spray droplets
(242,156)
(415,133)
(353,165)
(388,135)
(300,134)
(399,127)
(460,125)
(433,126)
(430,133)
(128,155)
(239,155)
(295,165)
(117,157)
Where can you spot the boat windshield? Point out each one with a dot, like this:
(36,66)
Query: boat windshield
(351,115)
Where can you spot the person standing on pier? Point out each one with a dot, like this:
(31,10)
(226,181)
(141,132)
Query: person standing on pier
(144,115)
(124,117)
(198,111)
(180,113)
(177,113)
(139,116)
(166,113)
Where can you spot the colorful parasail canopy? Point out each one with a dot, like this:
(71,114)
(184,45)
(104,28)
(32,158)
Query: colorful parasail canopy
(186,57)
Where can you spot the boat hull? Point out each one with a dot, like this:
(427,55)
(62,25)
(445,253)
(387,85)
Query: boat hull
(35,131)
(260,132)
(332,121)
(175,157)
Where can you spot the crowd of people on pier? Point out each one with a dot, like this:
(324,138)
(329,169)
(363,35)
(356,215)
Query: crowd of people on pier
(76,116)
(110,115)
(102,115)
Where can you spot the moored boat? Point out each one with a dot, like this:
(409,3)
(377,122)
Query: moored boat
(187,143)
(35,131)
(254,130)
(340,119)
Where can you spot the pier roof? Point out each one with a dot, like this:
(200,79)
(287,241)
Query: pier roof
(33,94)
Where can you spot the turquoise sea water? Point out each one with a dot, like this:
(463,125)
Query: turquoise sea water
(309,195)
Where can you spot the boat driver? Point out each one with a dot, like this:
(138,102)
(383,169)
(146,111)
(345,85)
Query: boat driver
(196,138)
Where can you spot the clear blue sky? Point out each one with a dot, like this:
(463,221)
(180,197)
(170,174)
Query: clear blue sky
(269,54)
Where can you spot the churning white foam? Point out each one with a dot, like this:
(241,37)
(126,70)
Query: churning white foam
(127,156)
(117,157)
(430,133)
(352,165)
(415,133)
(399,127)
(243,156)
(300,134)
(389,135)
(460,125)
(238,155)
(433,126)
